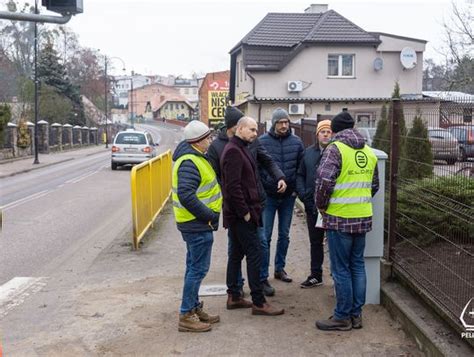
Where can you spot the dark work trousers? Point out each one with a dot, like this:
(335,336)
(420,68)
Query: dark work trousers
(316,237)
(245,242)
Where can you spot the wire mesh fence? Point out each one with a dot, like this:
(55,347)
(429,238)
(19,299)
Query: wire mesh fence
(429,215)
(429,224)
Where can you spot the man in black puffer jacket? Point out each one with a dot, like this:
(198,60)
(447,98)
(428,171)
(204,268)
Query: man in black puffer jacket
(287,151)
(305,186)
(262,158)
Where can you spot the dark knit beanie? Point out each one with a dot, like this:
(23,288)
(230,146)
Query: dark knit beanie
(342,121)
(231,116)
(279,114)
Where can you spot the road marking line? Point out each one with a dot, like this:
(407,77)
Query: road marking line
(82,177)
(24,200)
(14,292)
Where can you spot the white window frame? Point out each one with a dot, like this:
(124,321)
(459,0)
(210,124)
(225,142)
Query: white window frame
(371,120)
(339,65)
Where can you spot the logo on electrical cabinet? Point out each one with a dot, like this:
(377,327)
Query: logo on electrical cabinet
(467,319)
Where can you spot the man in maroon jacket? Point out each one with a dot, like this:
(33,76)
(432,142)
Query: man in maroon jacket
(242,215)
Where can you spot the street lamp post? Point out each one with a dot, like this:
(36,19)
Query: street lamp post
(105,104)
(106,93)
(36,88)
(131,101)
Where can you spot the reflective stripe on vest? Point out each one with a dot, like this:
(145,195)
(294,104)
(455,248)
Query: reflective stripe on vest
(208,192)
(352,195)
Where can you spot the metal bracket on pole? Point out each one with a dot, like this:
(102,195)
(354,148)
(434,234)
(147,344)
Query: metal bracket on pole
(15,16)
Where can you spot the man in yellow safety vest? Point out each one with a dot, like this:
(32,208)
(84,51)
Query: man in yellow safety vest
(197,203)
(346,181)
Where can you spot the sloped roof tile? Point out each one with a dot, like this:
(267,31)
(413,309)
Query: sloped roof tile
(272,43)
(333,27)
(290,29)
(281,29)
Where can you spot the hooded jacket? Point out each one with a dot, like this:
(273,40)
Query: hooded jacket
(328,171)
(287,151)
(259,154)
(188,183)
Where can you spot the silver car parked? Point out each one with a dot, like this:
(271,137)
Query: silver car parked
(132,147)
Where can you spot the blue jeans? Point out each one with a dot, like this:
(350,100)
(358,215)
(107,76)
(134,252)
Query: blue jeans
(284,207)
(240,279)
(346,253)
(198,261)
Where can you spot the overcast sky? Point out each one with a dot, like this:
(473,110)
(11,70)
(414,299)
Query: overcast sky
(182,36)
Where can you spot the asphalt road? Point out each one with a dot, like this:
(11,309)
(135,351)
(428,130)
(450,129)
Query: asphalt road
(57,219)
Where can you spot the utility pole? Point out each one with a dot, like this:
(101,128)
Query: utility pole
(36,88)
(106,117)
(131,101)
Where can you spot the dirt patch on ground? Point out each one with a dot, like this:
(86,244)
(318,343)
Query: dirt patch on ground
(128,305)
(445,271)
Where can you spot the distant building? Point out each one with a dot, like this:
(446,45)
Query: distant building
(188,88)
(119,116)
(158,101)
(213,97)
(123,84)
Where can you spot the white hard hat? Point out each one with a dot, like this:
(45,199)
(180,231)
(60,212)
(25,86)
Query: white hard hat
(196,131)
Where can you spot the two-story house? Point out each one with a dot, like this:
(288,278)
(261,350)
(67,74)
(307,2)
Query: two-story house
(188,88)
(123,84)
(319,63)
(159,101)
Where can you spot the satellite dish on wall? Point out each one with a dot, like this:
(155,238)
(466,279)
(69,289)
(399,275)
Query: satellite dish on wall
(408,58)
(378,64)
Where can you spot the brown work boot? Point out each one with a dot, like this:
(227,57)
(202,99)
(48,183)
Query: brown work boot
(267,310)
(204,316)
(189,322)
(334,324)
(237,303)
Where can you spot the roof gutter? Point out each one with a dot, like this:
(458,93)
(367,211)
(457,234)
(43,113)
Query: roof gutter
(233,65)
(253,81)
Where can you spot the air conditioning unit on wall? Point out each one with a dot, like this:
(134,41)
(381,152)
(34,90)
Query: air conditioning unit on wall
(295,86)
(296,108)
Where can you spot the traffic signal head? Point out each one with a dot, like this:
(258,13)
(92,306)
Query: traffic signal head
(71,7)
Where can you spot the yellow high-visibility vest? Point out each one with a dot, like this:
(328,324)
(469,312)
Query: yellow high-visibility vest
(208,192)
(352,195)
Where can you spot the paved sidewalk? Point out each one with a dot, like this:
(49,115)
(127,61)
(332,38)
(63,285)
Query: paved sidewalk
(127,304)
(21,165)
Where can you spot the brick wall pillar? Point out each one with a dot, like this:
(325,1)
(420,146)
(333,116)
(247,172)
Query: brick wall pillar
(85,135)
(67,136)
(12,136)
(43,137)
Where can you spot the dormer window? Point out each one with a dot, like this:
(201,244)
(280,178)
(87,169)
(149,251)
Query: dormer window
(341,65)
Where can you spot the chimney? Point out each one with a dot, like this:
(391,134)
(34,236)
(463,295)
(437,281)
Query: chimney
(316,9)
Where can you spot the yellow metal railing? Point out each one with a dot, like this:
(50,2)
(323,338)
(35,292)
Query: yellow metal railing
(151,189)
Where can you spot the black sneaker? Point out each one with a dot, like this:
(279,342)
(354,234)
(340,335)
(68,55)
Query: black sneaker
(268,290)
(311,282)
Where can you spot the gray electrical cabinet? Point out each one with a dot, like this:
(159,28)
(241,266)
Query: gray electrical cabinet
(374,239)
